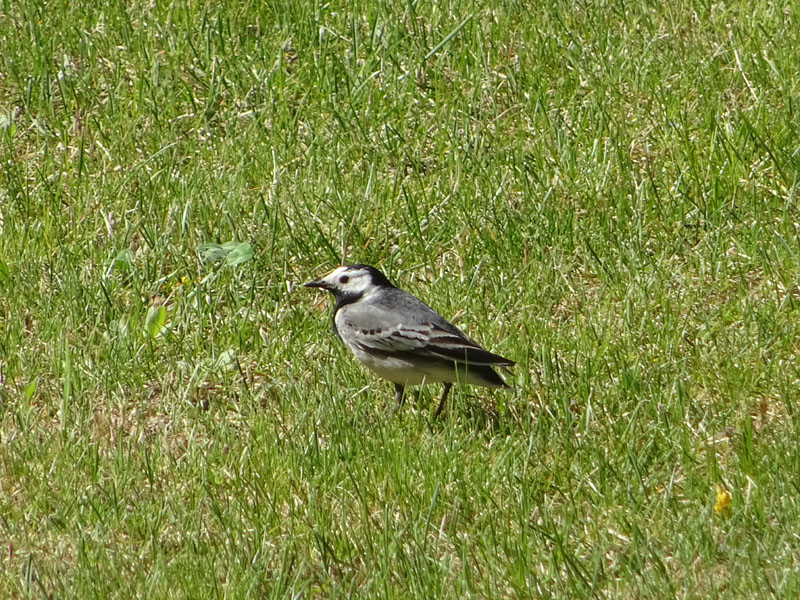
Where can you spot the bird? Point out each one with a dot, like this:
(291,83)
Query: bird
(402,339)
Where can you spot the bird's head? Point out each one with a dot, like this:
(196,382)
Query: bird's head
(351,281)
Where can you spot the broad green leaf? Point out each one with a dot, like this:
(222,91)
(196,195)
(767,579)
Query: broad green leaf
(154,321)
(225,360)
(123,260)
(234,253)
(30,389)
(211,252)
(241,253)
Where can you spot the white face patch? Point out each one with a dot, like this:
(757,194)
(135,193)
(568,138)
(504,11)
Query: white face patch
(349,281)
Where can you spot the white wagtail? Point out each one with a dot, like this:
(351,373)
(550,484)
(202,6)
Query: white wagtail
(401,338)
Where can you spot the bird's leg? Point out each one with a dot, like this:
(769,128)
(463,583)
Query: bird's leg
(447,387)
(400,397)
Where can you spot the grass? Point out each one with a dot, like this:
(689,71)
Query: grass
(604,192)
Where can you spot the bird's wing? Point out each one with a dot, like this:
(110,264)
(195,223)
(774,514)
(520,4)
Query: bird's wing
(391,339)
(429,334)
(451,343)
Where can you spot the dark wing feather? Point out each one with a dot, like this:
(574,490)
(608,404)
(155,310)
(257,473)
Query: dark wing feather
(427,338)
(393,340)
(424,331)
(450,342)
(473,356)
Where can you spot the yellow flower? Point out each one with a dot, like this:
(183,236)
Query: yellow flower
(722,506)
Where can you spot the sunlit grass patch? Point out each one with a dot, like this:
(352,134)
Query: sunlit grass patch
(604,194)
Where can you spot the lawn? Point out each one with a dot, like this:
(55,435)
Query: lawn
(604,192)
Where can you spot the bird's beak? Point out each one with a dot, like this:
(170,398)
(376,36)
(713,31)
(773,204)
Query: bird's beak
(317,284)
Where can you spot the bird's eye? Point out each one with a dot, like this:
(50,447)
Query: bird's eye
(344,279)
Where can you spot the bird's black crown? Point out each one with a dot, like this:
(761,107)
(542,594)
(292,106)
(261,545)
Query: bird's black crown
(377,278)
